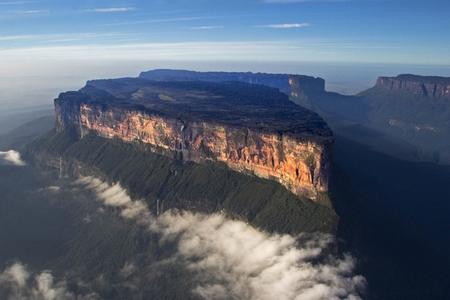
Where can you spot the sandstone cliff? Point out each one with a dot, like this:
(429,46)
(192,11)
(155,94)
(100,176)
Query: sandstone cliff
(250,128)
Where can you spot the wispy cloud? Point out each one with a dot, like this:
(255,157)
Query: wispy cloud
(205,27)
(111,9)
(62,38)
(170,51)
(22,13)
(116,196)
(32,12)
(286,25)
(17,2)
(18,282)
(16,37)
(263,50)
(165,20)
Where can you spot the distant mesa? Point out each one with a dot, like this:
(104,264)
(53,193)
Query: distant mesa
(279,81)
(429,86)
(299,85)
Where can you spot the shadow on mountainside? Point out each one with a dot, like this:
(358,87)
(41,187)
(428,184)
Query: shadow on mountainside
(394,218)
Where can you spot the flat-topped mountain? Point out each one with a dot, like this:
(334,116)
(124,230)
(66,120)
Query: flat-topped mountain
(414,108)
(251,128)
(428,86)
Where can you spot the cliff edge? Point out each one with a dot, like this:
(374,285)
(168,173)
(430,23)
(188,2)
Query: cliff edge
(252,129)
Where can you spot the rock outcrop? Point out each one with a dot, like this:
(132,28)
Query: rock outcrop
(429,86)
(250,128)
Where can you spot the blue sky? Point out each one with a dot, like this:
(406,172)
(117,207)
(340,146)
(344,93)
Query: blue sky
(50,46)
(364,31)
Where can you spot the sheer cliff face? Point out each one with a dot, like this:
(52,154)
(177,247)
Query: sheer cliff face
(435,87)
(305,85)
(300,162)
(302,88)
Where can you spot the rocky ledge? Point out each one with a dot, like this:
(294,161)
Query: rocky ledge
(251,128)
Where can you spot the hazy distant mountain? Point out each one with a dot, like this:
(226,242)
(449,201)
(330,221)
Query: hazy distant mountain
(414,108)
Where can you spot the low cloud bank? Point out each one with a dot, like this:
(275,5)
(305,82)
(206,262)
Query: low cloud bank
(235,260)
(116,196)
(17,282)
(231,259)
(11,158)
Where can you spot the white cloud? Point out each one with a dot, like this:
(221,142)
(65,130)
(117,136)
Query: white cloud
(32,12)
(47,289)
(165,20)
(116,196)
(287,25)
(21,13)
(233,260)
(17,2)
(11,157)
(16,37)
(111,9)
(205,27)
(17,282)
(156,51)
(16,274)
(121,50)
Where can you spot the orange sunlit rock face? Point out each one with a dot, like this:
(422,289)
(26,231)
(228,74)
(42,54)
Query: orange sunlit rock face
(301,165)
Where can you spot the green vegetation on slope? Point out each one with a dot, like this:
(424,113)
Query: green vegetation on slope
(66,232)
(206,188)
